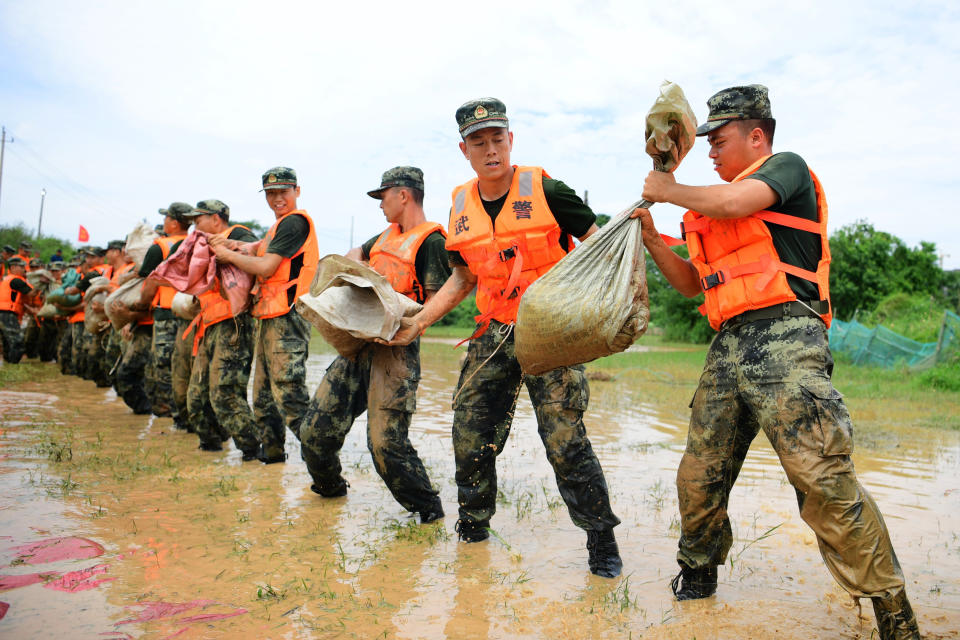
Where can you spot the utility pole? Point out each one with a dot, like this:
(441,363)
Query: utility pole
(43,194)
(3,145)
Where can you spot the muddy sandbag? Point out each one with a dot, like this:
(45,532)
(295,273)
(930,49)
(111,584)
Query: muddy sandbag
(39,278)
(185,305)
(350,304)
(138,242)
(95,319)
(117,304)
(48,310)
(590,304)
(62,300)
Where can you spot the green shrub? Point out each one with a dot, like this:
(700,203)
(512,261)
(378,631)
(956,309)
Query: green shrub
(462,315)
(915,316)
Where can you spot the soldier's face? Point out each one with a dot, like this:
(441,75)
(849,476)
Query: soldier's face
(488,151)
(731,150)
(282,201)
(392,204)
(206,223)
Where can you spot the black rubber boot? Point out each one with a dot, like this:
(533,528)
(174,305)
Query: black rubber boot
(432,513)
(697,583)
(604,557)
(273,457)
(335,489)
(472,531)
(210,446)
(895,619)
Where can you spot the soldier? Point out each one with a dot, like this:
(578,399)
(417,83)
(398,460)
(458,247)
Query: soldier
(759,251)
(91,258)
(51,330)
(493,219)
(284,263)
(31,333)
(382,380)
(5,254)
(159,297)
(217,394)
(15,298)
(25,252)
(65,345)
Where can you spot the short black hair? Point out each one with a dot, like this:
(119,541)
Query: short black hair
(767,125)
(416,194)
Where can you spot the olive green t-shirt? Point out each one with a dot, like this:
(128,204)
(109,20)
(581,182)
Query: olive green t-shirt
(570,212)
(292,232)
(431,264)
(787,174)
(151,261)
(243,235)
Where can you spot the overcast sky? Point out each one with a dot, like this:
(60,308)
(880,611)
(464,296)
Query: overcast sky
(119,108)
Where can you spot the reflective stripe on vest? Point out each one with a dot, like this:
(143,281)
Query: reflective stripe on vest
(394,256)
(10,299)
(275,295)
(739,267)
(509,255)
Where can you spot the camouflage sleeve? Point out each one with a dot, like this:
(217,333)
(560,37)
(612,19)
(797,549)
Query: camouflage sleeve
(432,265)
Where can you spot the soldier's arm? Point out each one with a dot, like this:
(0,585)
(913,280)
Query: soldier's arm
(734,200)
(355,254)
(457,287)
(679,272)
(262,266)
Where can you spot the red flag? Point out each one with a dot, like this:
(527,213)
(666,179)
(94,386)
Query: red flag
(83,236)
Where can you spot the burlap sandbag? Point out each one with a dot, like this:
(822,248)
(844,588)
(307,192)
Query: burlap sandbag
(95,321)
(185,305)
(117,304)
(48,311)
(138,242)
(350,304)
(590,304)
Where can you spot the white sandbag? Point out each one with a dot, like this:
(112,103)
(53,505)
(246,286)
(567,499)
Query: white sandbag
(117,304)
(350,304)
(94,316)
(185,305)
(590,304)
(48,311)
(138,241)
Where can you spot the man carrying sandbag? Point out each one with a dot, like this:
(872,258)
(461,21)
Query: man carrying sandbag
(284,263)
(508,226)
(383,380)
(16,298)
(759,251)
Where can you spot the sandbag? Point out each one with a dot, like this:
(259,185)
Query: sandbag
(350,304)
(48,311)
(93,320)
(62,300)
(138,242)
(39,278)
(117,304)
(185,305)
(590,304)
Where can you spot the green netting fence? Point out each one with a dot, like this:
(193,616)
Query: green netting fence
(882,347)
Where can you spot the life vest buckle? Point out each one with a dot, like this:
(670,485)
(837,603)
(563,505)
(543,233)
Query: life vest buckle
(713,280)
(683,231)
(507,254)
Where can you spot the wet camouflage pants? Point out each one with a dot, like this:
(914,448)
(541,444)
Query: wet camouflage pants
(164,340)
(49,338)
(483,412)
(65,348)
(12,337)
(774,375)
(383,382)
(181,363)
(217,398)
(98,368)
(279,382)
(31,338)
(78,349)
(133,380)
(114,352)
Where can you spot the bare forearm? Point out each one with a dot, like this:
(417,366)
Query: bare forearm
(723,201)
(679,272)
(262,266)
(457,287)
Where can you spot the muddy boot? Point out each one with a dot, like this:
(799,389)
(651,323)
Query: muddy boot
(272,456)
(697,583)
(432,513)
(472,531)
(604,557)
(334,489)
(895,619)
(210,446)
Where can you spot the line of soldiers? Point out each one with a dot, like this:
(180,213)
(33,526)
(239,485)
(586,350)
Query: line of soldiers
(759,252)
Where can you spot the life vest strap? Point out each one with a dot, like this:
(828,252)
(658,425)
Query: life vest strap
(765,265)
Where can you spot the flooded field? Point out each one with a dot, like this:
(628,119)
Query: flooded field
(115,526)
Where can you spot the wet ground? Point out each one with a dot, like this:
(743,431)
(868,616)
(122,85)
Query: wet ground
(114,526)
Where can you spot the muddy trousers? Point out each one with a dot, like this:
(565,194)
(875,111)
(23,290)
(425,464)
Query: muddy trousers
(280,379)
(164,340)
(65,348)
(114,352)
(483,408)
(383,382)
(98,369)
(132,372)
(774,375)
(217,396)
(11,336)
(31,338)
(49,339)
(78,349)
(181,362)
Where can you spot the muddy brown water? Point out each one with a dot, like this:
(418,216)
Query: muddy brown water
(115,526)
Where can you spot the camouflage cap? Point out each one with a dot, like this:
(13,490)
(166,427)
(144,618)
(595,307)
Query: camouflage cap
(749,102)
(36,262)
(211,207)
(9,249)
(56,265)
(480,114)
(26,244)
(162,211)
(16,261)
(279,178)
(95,251)
(116,244)
(180,211)
(398,177)
(159,229)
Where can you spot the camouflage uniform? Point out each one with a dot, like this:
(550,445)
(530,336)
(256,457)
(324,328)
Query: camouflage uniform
(12,337)
(282,347)
(217,397)
(774,375)
(65,348)
(483,411)
(383,382)
(78,349)
(112,355)
(97,366)
(133,380)
(181,362)
(164,340)
(49,339)
(31,338)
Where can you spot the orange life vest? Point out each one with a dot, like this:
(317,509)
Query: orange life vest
(164,296)
(122,269)
(394,256)
(508,256)
(275,295)
(11,299)
(78,316)
(738,264)
(214,307)
(26,261)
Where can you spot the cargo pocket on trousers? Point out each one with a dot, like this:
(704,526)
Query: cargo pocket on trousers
(834,428)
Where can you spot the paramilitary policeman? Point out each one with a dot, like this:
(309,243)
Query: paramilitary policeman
(16,295)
